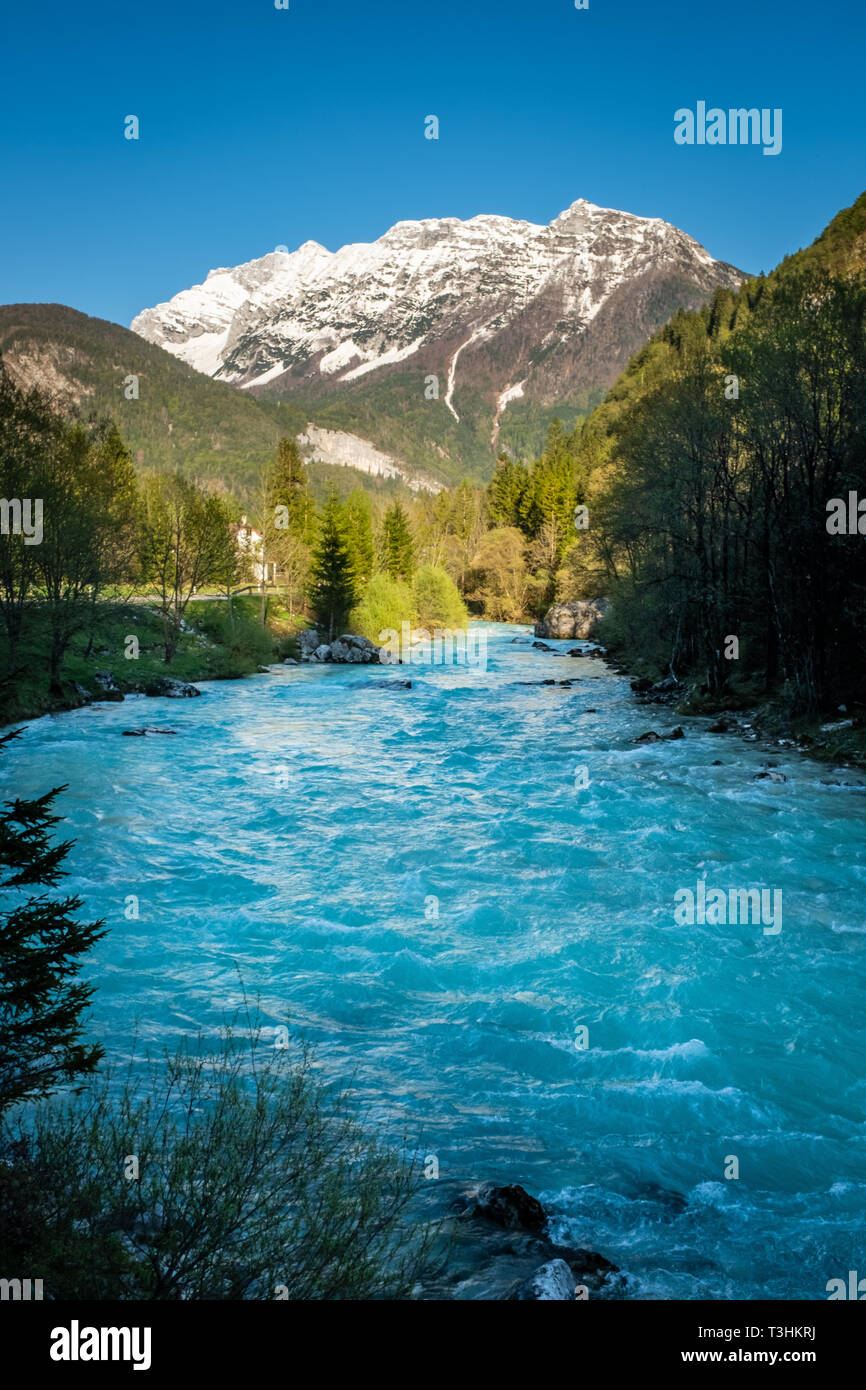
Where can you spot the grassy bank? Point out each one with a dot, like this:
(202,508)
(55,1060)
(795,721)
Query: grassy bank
(214,646)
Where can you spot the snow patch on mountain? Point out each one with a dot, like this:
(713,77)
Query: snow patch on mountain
(477,336)
(511,393)
(384,359)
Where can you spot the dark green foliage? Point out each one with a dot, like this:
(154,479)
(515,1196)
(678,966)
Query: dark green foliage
(288,488)
(713,523)
(333,588)
(506,491)
(41,941)
(398,550)
(28,433)
(358,511)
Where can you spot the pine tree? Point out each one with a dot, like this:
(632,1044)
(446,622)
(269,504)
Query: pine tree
(41,1003)
(288,500)
(333,591)
(358,511)
(505,491)
(398,551)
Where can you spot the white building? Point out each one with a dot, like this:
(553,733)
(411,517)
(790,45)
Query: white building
(249,540)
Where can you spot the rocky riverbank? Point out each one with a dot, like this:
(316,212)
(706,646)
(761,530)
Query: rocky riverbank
(838,738)
(501,1245)
(349,648)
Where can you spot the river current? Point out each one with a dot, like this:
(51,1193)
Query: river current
(438,897)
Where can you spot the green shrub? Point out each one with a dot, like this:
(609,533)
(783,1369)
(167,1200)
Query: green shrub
(386,604)
(438,600)
(240,632)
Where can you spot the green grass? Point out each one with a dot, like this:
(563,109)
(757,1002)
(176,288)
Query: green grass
(214,648)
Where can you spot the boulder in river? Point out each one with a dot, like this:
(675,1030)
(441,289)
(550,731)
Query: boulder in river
(308,641)
(769,776)
(510,1206)
(348,649)
(107,686)
(503,1232)
(575,620)
(140,733)
(355,649)
(390,685)
(649,737)
(174,690)
(551,1282)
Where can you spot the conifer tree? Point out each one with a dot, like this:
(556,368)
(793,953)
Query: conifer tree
(41,942)
(333,591)
(397,547)
(288,521)
(505,491)
(289,502)
(358,511)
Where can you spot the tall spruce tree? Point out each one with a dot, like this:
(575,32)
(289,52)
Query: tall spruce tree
(333,590)
(41,945)
(288,499)
(288,522)
(398,551)
(358,511)
(505,491)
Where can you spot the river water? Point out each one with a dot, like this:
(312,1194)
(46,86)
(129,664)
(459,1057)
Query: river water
(419,879)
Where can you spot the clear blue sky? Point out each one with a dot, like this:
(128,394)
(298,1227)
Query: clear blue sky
(262,127)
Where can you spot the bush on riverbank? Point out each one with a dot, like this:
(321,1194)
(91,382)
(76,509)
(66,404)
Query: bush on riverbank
(225,1175)
(386,604)
(430,600)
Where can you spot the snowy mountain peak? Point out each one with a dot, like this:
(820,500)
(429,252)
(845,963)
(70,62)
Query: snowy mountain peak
(489,303)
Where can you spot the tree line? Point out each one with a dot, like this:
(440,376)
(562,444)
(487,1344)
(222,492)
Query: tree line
(717,464)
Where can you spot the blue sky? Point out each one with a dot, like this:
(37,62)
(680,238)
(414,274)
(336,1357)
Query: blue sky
(262,127)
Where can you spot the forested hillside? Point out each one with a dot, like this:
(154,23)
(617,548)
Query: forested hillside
(714,465)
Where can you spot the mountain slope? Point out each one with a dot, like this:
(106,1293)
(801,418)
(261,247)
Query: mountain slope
(180,419)
(511,318)
(840,250)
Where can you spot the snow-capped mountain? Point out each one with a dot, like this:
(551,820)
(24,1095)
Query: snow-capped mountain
(497,310)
